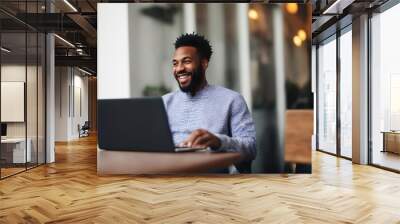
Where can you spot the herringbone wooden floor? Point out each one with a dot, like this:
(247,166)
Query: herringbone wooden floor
(69,191)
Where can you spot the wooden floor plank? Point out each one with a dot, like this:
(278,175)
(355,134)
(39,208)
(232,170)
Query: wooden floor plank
(69,191)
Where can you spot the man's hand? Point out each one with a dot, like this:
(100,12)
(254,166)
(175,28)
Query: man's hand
(201,138)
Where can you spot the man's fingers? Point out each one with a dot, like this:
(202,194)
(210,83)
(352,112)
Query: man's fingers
(182,144)
(201,140)
(192,137)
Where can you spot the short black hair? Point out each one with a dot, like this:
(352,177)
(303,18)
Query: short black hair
(195,40)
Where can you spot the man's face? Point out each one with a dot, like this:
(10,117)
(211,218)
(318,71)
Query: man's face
(187,68)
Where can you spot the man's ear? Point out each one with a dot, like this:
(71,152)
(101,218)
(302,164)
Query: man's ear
(204,63)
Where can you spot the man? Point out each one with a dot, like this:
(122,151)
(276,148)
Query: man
(203,115)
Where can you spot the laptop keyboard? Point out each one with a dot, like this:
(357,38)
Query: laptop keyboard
(188,149)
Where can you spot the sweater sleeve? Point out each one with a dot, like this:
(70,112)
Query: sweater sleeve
(243,132)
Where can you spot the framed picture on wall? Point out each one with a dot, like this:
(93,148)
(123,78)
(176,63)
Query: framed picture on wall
(12,101)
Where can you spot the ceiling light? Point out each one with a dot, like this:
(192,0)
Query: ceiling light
(337,7)
(292,8)
(84,71)
(64,40)
(297,41)
(5,50)
(302,34)
(70,5)
(253,14)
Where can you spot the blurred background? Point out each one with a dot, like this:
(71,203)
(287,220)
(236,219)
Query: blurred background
(48,94)
(262,51)
(51,48)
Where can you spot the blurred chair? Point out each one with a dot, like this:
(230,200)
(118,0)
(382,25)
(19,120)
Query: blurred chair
(298,133)
(84,130)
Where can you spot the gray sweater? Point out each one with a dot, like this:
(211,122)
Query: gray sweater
(216,109)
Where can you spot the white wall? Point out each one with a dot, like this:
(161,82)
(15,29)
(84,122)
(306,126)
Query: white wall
(62,81)
(216,34)
(80,83)
(113,46)
(151,47)
(69,81)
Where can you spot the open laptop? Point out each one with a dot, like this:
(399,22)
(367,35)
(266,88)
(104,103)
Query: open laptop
(137,124)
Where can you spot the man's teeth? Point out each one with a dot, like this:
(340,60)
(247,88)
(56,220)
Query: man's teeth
(183,76)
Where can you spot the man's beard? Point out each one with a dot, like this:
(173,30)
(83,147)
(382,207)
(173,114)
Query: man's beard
(195,82)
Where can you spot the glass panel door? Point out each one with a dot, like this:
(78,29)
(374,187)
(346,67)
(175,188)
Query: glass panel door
(385,89)
(327,96)
(14,154)
(22,88)
(346,94)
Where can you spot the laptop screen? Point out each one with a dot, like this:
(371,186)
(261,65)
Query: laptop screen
(137,124)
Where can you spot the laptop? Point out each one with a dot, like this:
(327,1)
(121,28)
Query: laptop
(136,124)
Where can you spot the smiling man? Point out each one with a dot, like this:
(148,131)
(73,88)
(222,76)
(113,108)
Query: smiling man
(203,115)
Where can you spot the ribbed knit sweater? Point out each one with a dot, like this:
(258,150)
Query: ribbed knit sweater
(216,109)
